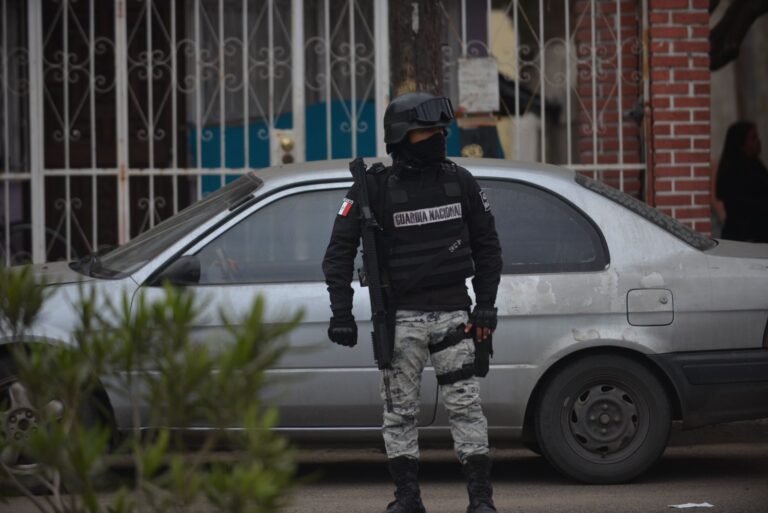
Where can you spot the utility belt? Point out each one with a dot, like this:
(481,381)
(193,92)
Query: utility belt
(479,368)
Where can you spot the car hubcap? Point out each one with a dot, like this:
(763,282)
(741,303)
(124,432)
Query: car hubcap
(604,419)
(20,421)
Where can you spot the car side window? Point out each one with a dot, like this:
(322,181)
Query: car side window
(540,232)
(283,242)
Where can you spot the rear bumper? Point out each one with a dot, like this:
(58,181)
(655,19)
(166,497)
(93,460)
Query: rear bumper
(718,386)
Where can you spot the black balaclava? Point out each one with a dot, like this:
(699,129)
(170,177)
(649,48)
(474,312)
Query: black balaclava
(429,151)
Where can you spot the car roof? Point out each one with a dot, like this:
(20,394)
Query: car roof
(335,170)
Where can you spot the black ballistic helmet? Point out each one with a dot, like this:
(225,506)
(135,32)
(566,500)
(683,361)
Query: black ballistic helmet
(411,111)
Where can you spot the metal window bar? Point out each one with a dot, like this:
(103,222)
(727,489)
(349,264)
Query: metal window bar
(381,54)
(271,68)
(67,182)
(352,77)
(121,85)
(568,125)
(620,97)
(297,83)
(262,82)
(150,112)
(543,80)
(328,72)
(92,107)
(517,76)
(198,103)
(222,95)
(6,142)
(593,27)
(464,28)
(596,42)
(246,87)
(174,111)
(36,142)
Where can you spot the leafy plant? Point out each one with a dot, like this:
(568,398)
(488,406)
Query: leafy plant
(148,351)
(21,297)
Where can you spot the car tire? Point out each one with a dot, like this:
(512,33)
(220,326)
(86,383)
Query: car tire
(533,446)
(603,419)
(24,470)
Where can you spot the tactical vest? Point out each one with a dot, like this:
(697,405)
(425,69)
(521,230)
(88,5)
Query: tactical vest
(427,238)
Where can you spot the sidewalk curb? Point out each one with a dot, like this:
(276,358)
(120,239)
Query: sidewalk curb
(753,431)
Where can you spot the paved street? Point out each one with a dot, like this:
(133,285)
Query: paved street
(732,476)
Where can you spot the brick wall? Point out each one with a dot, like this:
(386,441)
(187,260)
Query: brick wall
(677,141)
(679,166)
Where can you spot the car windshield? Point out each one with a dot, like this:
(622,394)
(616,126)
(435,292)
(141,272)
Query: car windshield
(653,215)
(132,255)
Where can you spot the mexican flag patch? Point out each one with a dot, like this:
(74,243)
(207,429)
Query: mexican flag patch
(346,206)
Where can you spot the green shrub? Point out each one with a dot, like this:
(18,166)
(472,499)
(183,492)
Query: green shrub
(71,438)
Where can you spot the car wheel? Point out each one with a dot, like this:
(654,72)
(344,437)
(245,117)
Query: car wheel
(19,419)
(603,419)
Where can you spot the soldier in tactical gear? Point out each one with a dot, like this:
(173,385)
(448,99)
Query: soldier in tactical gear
(437,230)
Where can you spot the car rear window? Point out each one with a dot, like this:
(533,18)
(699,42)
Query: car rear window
(541,232)
(663,221)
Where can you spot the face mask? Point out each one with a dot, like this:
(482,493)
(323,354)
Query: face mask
(428,151)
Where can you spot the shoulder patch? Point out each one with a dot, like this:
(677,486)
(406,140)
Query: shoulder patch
(484,199)
(346,206)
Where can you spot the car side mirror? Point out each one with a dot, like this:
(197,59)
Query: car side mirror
(185,270)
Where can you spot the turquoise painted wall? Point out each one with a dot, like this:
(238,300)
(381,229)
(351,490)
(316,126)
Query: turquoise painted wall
(316,138)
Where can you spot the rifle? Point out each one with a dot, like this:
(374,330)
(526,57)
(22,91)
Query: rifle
(371,276)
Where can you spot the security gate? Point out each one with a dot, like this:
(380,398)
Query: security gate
(133,109)
(116,114)
(571,81)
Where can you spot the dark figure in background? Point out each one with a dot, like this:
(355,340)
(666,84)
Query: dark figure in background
(438,230)
(742,185)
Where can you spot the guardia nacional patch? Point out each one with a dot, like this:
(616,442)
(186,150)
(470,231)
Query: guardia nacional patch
(427,215)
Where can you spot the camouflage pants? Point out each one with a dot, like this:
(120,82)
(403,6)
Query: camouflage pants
(414,332)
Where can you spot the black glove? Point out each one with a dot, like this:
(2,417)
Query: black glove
(483,317)
(343,330)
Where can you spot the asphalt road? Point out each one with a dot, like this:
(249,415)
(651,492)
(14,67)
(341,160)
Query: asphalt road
(732,477)
(697,467)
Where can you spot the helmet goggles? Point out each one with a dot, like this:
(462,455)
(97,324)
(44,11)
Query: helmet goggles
(430,111)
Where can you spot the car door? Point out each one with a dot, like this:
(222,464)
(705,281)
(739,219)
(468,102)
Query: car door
(555,289)
(275,249)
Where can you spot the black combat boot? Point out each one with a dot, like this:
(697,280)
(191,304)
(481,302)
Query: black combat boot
(477,469)
(405,472)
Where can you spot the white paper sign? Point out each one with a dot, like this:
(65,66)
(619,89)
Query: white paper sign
(478,85)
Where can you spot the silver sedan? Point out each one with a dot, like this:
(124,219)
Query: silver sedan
(613,318)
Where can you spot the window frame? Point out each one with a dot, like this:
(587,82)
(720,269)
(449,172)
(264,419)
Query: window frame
(242,215)
(600,265)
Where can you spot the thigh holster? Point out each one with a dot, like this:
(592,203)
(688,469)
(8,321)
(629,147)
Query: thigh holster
(479,367)
(451,339)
